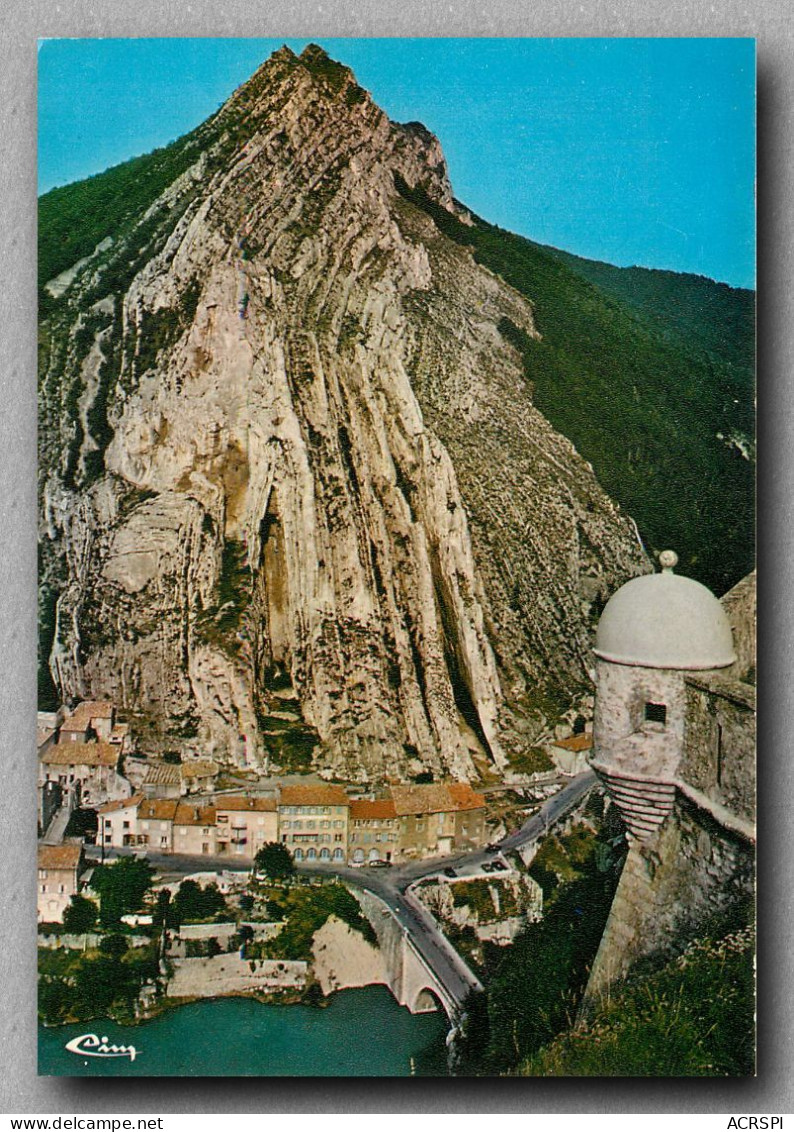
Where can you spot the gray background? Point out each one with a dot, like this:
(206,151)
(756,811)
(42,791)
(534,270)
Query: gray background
(22,22)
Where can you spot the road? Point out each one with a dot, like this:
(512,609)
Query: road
(393,886)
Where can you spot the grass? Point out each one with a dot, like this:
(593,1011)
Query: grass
(533,986)
(306,909)
(477,895)
(692,1018)
(534,760)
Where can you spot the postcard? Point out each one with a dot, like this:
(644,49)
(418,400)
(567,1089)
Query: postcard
(396,557)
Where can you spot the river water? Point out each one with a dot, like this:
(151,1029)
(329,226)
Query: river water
(360,1033)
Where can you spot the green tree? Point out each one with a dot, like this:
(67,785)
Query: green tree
(80,916)
(121,888)
(101,982)
(275,862)
(192,902)
(161,908)
(534,986)
(55,997)
(113,946)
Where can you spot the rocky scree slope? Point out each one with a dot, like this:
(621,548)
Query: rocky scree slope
(296,502)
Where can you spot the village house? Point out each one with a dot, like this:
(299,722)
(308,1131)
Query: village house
(570,755)
(313,821)
(120,737)
(244,825)
(59,868)
(163,780)
(87,772)
(199,776)
(118,822)
(92,719)
(438,818)
(194,829)
(373,830)
(156,824)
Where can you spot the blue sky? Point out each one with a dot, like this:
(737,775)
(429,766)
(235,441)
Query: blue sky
(633,151)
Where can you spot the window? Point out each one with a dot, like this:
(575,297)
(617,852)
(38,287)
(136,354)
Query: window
(656,713)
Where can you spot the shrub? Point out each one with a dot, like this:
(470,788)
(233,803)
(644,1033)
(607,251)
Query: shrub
(80,915)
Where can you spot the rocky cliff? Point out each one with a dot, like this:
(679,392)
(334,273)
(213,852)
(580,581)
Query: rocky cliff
(296,501)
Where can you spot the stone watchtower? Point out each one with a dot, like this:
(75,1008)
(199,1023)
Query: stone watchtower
(674,743)
(654,632)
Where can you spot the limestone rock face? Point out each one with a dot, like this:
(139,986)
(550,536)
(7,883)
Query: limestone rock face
(322,474)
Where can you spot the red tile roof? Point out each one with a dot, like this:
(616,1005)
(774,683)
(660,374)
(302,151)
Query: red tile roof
(161,809)
(201,768)
(581,742)
(81,754)
(464,798)
(86,711)
(435,798)
(186,814)
(240,803)
(163,774)
(59,856)
(313,794)
(363,809)
(120,804)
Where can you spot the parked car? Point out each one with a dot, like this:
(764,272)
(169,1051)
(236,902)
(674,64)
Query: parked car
(450,873)
(380,864)
(492,847)
(499,866)
(488,867)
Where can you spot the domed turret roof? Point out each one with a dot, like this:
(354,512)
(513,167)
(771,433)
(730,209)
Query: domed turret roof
(665,621)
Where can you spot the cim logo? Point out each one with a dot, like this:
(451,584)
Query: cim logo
(90,1045)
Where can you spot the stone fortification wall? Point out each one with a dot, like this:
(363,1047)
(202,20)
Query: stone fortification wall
(229,974)
(740,605)
(683,882)
(221,932)
(719,743)
(82,942)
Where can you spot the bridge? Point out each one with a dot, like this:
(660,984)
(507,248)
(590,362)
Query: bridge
(423,970)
